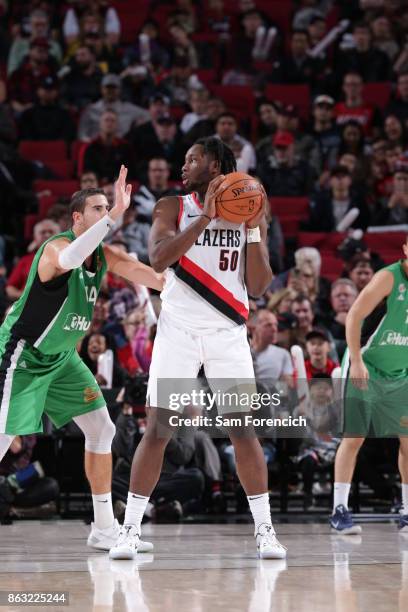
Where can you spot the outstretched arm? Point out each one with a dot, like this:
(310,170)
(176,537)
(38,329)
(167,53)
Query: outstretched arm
(131,269)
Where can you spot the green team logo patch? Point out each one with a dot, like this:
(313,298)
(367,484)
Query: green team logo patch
(393,338)
(75,322)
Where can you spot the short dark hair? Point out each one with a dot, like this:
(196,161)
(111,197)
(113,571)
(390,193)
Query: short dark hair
(229,115)
(218,150)
(78,200)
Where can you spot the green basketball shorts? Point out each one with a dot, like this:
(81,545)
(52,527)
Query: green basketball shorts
(379,411)
(31,384)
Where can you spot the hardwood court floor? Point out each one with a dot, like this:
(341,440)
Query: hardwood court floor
(200,568)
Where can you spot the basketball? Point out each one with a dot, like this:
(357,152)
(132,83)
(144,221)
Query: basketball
(240,199)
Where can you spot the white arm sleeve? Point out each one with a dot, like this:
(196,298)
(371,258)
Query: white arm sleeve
(75,253)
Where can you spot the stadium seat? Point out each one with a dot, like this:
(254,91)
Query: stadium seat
(332,267)
(324,242)
(290,225)
(57,188)
(44,204)
(61,167)
(385,241)
(29,222)
(377,94)
(44,151)
(238,99)
(290,207)
(298,95)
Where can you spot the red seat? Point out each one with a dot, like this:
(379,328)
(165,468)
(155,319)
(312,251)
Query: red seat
(377,94)
(283,207)
(131,19)
(332,266)
(298,95)
(206,76)
(29,222)
(387,241)
(238,99)
(323,241)
(61,167)
(290,225)
(45,151)
(57,188)
(45,203)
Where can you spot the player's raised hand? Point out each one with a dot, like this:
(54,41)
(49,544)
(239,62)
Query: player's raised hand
(209,208)
(122,195)
(257,218)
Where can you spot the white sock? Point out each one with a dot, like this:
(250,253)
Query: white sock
(404,493)
(261,510)
(135,509)
(103,511)
(341,494)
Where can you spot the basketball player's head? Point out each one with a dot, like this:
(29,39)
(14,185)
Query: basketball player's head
(205,160)
(87,206)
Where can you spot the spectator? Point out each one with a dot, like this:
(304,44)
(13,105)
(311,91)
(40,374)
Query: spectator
(128,114)
(178,84)
(88,180)
(206,127)
(82,82)
(395,210)
(384,37)
(302,309)
(39,28)
(271,362)
(111,23)
(298,66)
(136,235)
(226,129)
(17,280)
(24,82)
(316,29)
(147,51)
(158,138)
(27,492)
(198,103)
(280,171)
(395,131)
(106,153)
(178,483)
(325,135)
(328,208)
(254,42)
(371,63)
(280,301)
(182,47)
(361,271)
(59,213)
(108,57)
(157,187)
(318,349)
(92,348)
(287,120)
(343,294)
(318,448)
(138,349)
(8,128)
(267,113)
(398,105)
(46,119)
(287,329)
(354,108)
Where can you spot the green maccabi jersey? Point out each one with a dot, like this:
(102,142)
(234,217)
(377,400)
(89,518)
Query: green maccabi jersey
(54,315)
(385,345)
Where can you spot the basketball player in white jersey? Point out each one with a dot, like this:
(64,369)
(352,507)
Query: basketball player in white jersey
(202,322)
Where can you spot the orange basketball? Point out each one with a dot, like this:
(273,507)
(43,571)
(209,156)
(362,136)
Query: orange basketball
(241,197)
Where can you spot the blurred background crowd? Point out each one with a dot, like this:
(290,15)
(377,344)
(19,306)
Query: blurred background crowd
(312,97)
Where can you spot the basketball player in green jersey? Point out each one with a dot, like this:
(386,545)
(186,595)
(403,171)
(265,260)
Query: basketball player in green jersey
(40,369)
(375,369)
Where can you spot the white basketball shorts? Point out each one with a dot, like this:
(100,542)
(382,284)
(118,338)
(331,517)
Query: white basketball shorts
(179,353)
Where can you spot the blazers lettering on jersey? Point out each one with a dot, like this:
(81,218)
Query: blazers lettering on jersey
(211,290)
(219,238)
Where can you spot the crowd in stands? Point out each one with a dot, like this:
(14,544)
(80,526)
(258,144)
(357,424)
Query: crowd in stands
(311,96)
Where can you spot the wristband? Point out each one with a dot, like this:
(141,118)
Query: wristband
(253,235)
(204,215)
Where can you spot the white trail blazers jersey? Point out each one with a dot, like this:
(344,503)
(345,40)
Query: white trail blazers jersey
(207,289)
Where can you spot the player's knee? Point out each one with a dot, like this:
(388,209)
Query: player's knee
(352,444)
(98,430)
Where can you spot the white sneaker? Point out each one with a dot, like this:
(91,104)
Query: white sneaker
(104,539)
(127,544)
(268,544)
